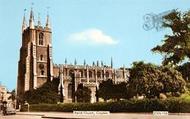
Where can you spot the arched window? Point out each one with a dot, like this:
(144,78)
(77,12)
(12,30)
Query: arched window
(42,72)
(81,73)
(107,74)
(41,39)
(70,91)
(99,74)
(90,74)
(71,73)
(41,57)
(85,74)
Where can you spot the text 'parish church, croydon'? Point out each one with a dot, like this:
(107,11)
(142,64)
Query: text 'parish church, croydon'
(36,67)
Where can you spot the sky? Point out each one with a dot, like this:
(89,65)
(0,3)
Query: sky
(85,29)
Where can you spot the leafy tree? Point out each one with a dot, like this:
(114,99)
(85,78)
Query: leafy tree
(47,93)
(143,79)
(172,81)
(13,95)
(83,94)
(151,80)
(106,89)
(120,90)
(109,90)
(176,46)
(185,70)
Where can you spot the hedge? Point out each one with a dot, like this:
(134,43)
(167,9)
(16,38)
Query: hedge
(172,105)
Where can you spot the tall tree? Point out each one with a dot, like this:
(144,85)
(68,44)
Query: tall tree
(109,90)
(47,93)
(151,80)
(185,70)
(120,90)
(176,45)
(83,93)
(13,95)
(106,89)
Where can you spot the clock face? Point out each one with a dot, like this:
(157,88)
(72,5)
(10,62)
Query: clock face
(41,66)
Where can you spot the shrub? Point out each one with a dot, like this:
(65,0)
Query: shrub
(172,105)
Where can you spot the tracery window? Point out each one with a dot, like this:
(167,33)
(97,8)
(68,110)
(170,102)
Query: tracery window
(41,39)
(90,74)
(99,74)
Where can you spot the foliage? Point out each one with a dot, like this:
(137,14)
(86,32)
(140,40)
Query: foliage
(147,105)
(176,46)
(106,89)
(120,91)
(47,93)
(185,69)
(109,90)
(83,93)
(13,95)
(151,80)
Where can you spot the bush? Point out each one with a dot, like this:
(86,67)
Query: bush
(47,93)
(83,93)
(172,105)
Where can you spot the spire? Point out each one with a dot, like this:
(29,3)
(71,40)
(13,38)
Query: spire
(75,62)
(24,25)
(31,20)
(47,20)
(84,62)
(111,62)
(65,60)
(102,64)
(97,63)
(93,63)
(39,22)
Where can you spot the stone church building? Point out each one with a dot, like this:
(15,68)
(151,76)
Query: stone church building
(35,66)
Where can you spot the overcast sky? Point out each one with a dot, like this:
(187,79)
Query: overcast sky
(85,29)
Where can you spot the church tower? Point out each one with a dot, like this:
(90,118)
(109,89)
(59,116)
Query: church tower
(35,65)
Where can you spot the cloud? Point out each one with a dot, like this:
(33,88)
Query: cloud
(92,36)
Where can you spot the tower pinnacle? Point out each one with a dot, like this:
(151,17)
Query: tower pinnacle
(65,60)
(31,20)
(75,62)
(84,62)
(24,25)
(48,22)
(111,62)
(39,22)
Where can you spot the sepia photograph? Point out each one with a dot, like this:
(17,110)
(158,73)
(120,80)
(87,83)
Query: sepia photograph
(95,59)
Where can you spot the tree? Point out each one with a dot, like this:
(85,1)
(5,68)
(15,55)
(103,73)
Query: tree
(143,79)
(83,94)
(172,81)
(106,89)
(151,80)
(176,46)
(185,70)
(47,93)
(120,90)
(13,95)
(109,90)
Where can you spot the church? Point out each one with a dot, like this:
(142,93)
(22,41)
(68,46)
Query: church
(36,66)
